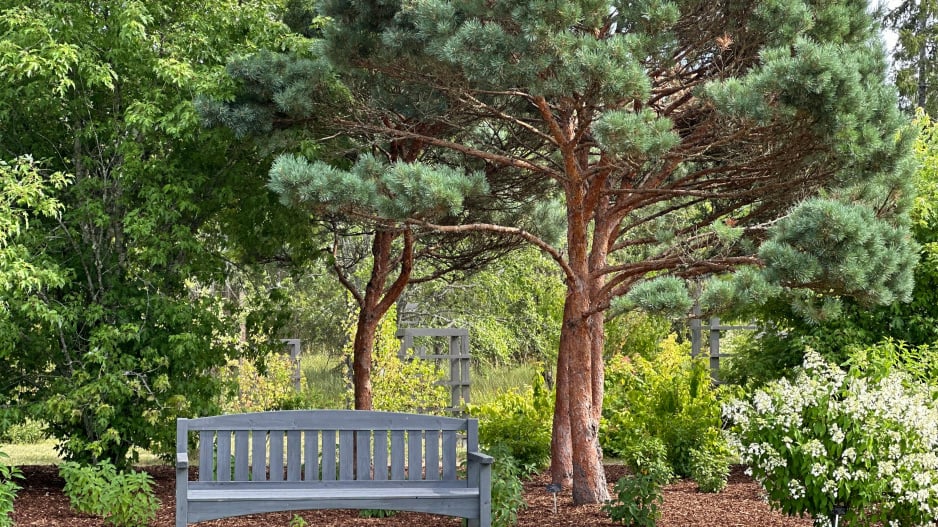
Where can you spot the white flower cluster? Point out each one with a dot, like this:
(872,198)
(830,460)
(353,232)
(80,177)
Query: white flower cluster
(827,433)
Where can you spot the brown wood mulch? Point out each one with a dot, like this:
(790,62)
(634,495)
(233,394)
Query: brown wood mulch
(741,504)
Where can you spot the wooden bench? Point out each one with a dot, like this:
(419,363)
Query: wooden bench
(332,459)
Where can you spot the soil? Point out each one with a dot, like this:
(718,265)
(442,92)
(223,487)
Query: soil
(741,504)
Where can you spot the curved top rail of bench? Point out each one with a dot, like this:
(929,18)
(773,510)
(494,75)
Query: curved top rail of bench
(326,420)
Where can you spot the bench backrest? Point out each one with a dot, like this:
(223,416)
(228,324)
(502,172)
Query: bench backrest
(330,445)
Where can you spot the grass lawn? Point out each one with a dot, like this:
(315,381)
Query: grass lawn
(43,453)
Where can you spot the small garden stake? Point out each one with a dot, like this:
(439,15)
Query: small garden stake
(839,511)
(554,488)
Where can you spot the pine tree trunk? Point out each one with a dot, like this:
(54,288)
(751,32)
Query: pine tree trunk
(362,348)
(589,479)
(576,353)
(374,304)
(597,324)
(561,449)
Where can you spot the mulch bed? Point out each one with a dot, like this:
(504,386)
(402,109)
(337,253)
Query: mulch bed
(741,504)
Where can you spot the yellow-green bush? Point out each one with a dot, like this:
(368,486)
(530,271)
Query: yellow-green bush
(256,391)
(668,396)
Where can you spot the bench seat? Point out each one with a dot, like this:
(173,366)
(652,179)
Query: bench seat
(332,459)
(210,504)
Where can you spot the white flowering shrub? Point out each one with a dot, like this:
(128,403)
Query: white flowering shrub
(831,438)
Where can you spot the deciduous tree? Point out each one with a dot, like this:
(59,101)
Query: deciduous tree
(102,92)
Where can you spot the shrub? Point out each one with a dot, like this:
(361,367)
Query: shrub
(123,499)
(8,490)
(25,433)
(256,390)
(507,491)
(520,421)
(638,495)
(709,468)
(830,438)
(668,396)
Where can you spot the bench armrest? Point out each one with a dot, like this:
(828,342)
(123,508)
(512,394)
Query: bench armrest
(182,460)
(479,457)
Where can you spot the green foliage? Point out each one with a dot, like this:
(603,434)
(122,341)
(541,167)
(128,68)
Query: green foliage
(298,521)
(635,333)
(666,295)
(8,489)
(914,24)
(376,513)
(399,190)
(520,422)
(710,469)
(667,396)
(512,307)
(836,330)
(325,383)
(25,433)
(649,456)
(257,390)
(845,248)
(859,439)
(128,323)
(122,498)
(507,491)
(638,495)
(638,501)
(490,382)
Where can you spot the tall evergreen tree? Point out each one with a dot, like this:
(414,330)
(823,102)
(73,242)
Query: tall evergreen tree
(915,58)
(679,135)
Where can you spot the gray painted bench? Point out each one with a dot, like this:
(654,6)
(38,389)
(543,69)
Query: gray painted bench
(332,459)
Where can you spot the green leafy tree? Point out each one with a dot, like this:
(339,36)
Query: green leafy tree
(677,135)
(102,92)
(27,194)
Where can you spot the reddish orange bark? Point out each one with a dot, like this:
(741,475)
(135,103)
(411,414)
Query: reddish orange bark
(374,304)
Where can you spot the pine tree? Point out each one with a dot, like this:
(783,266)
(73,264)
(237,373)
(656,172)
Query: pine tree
(680,137)
(915,57)
(291,99)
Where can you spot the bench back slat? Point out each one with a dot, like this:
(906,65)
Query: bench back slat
(346,455)
(328,455)
(397,454)
(381,455)
(294,455)
(276,455)
(325,446)
(414,455)
(241,455)
(205,455)
(432,457)
(449,455)
(311,457)
(258,452)
(223,448)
